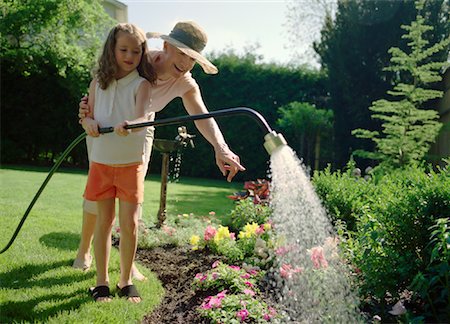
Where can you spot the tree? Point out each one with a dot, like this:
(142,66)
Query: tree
(304,126)
(408,129)
(47,50)
(354,50)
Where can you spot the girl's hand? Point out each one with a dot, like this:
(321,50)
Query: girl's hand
(90,126)
(120,129)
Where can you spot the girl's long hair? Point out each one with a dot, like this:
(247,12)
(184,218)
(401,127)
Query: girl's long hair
(107,64)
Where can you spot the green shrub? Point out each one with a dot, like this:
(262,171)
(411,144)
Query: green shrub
(247,212)
(433,285)
(385,223)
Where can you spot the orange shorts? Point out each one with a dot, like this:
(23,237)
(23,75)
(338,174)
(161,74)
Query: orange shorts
(125,183)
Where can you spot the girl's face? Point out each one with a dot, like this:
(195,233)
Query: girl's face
(178,63)
(128,53)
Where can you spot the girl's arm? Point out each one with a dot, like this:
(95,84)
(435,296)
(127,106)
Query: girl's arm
(226,160)
(89,124)
(143,101)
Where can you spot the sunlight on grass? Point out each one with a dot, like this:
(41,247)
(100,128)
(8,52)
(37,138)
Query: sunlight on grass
(37,282)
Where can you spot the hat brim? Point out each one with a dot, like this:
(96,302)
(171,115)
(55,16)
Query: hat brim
(206,65)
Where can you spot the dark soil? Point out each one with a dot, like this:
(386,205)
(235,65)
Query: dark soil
(176,267)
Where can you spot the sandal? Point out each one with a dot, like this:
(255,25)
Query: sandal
(100,292)
(128,291)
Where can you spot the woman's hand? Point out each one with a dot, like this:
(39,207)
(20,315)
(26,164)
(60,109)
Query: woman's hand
(228,162)
(121,130)
(83,110)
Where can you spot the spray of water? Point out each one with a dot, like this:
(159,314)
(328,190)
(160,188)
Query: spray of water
(309,280)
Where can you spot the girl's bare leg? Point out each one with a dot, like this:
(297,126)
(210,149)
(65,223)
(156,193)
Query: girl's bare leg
(128,220)
(102,241)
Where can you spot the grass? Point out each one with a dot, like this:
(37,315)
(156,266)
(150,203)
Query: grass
(37,282)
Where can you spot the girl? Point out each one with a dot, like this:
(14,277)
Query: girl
(118,95)
(182,49)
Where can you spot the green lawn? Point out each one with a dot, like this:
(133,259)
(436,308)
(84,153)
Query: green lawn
(37,282)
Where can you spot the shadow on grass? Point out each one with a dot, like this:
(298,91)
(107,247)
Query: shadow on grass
(61,240)
(28,277)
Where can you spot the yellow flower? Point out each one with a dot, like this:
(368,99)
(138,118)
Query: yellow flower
(222,233)
(267,226)
(249,230)
(195,239)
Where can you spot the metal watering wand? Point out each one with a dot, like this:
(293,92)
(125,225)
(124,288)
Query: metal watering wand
(272,140)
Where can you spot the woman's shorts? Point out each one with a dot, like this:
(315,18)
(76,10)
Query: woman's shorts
(125,183)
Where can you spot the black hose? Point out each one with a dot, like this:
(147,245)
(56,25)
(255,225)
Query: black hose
(49,176)
(218,113)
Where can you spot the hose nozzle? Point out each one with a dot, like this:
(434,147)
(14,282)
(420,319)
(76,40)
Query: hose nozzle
(272,141)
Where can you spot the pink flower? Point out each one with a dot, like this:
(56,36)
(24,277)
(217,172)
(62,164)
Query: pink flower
(237,268)
(318,258)
(200,276)
(253,272)
(242,314)
(272,313)
(222,294)
(232,236)
(215,302)
(282,250)
(118,229)
(210,232)
(169,230)
(215,275)
(260,229)
(286,271)
(245,276)
(248,284)
(215,264)
(212,213)
(249,292)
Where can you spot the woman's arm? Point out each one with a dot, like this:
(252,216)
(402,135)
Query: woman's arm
(143,101)
(226,160)
(89,124)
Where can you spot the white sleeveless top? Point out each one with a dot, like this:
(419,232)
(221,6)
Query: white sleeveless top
(112,106)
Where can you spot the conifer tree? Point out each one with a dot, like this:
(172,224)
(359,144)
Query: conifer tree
(408,129)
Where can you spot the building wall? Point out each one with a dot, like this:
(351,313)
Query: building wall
(116,10)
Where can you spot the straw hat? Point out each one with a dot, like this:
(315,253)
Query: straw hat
(189,38)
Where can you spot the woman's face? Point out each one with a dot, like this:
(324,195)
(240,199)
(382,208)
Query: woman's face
(128,52)
(178,63)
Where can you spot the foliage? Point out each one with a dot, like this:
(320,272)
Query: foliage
(238,300)
(433,285)
(343,194)
(47,49)
(354,61)
(388,216)
(257,190)
(245,211)
(407,129)
(306,127)
(252,246)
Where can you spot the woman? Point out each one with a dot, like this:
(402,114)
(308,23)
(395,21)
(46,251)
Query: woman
(181,50)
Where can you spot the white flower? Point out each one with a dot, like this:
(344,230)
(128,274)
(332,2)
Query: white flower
(398,309)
